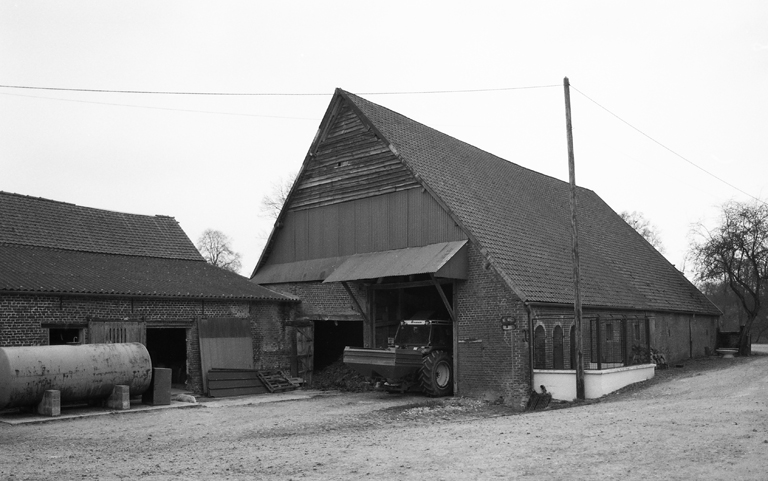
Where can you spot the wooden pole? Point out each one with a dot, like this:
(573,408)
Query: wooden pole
(575,247)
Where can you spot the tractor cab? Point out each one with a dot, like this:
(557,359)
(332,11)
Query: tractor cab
(423,334)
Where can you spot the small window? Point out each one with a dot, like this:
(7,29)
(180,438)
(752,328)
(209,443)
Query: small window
(637,331)
(557,348)
(609,332)
(57,337)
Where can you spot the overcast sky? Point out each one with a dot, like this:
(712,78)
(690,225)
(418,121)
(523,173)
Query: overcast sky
(692,76)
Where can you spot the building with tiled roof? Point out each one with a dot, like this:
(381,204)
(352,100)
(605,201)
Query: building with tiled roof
(389,217)
(65,267)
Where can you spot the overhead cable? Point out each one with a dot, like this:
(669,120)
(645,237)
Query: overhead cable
(265,94)
(667,148)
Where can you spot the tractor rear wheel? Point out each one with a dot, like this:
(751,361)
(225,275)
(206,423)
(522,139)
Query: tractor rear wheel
(436,376)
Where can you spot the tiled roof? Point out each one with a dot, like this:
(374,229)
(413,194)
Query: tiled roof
(33,221)
(44,270)
(522,219)
(52,247)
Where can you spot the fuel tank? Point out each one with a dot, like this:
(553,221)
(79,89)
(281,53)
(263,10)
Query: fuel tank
(79,372)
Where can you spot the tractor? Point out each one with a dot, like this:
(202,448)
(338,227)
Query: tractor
(419,357)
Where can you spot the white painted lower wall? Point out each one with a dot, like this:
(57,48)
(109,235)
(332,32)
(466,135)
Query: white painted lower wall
(562,383)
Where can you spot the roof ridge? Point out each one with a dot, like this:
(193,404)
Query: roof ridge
(72,204)
(105,253)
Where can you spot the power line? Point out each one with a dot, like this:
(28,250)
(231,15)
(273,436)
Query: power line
(667,148)
(162,108)
(267,94)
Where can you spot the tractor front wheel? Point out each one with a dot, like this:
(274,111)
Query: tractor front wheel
(436,376)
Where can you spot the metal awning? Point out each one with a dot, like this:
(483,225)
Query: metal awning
(446,259)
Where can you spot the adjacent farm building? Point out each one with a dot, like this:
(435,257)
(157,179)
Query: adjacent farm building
(72,274)
(389,219)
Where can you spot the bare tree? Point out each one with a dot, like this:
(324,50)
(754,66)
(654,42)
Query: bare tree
(644,227)
(272,203)
(216,250)
(736,252)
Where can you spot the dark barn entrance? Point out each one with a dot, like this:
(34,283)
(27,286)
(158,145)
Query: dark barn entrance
(168,348)
(396,301)
(331,337)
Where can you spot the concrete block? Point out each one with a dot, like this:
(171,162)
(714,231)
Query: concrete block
(120,398)
(51,403)
(159,393)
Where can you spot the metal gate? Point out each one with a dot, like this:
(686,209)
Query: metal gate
(101,331)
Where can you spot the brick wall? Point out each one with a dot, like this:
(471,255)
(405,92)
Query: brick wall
(493,363)
(271,335)
(683,336)
(22,317)
(320,300)
(678,336)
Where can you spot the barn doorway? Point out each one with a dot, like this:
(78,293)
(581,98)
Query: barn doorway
(397,300)
(331,337)
(168,348)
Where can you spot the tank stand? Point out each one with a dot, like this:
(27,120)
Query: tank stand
(120,399)
(51,404)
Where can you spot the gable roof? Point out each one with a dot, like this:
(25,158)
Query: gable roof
(520,220)
(51,247)
(34,221)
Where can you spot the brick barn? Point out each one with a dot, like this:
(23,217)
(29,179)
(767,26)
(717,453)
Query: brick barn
(389,218)
(72,274)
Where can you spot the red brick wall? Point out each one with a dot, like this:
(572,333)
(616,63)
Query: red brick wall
(21,317)
(493,363)
(318,299)
(677,336)
(271,336)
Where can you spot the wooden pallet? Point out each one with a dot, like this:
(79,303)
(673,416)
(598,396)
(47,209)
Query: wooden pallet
(277,381)
(234,382)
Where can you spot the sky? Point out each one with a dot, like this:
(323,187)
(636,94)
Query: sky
(668,99)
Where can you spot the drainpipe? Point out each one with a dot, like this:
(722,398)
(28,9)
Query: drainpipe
(530,345)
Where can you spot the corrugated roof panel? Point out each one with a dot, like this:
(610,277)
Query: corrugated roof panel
(446,259)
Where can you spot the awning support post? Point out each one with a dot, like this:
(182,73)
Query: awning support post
(357,304)
(443,297)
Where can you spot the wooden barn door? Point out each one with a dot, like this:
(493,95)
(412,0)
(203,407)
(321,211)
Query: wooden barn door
(303,350)
(101,331)
(225,343)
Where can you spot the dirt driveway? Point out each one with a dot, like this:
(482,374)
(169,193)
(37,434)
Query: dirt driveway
(707,420)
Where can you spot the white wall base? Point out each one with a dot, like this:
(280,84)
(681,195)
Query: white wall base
(562,383)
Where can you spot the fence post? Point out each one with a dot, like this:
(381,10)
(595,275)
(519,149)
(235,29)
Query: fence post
(648,337)
(598,339)
(624,342)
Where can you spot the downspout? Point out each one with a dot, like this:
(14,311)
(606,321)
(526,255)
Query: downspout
(529,339)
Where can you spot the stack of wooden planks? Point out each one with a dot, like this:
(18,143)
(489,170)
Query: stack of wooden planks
(234,382)
(238,382)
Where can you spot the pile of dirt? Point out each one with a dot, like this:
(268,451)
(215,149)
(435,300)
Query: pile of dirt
(339,377)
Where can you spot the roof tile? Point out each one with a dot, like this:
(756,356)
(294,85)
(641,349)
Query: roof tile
(522,218)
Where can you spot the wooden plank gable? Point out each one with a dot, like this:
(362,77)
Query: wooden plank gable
(349,163)
(353,195)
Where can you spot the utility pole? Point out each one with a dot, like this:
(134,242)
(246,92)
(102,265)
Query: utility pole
(575,247)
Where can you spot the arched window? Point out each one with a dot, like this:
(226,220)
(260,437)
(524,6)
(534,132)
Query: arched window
(539,348)
(573,347)
(557,348)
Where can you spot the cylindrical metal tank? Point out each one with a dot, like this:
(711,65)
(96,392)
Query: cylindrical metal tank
(82,372)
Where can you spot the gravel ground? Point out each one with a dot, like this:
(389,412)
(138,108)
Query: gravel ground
(706,420)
